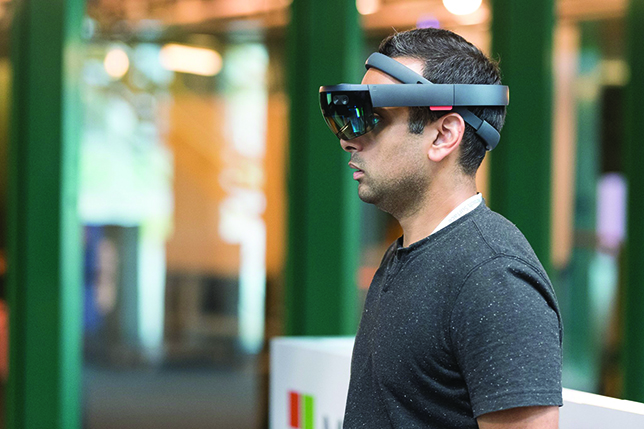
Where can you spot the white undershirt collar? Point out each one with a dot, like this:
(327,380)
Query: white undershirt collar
(461,210)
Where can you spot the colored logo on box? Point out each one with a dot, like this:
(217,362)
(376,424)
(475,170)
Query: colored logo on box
(301,410)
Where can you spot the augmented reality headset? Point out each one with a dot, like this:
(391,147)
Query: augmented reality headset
(348,108)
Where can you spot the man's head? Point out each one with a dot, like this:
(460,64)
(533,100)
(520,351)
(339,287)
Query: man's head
(404,155)
(448,58)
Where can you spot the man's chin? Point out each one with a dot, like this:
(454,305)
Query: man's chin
(366,194)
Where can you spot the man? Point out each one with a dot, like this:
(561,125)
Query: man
(461,327)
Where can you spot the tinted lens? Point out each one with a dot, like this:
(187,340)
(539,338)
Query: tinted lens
(349,127)
(348,115)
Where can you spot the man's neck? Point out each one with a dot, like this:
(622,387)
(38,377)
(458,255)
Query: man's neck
(436,206)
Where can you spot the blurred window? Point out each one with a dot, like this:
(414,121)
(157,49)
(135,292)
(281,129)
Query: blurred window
(181,197)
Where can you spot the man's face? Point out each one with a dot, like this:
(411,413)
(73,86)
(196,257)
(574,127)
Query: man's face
(393,170)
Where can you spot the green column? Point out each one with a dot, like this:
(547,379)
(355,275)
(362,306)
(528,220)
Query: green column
(44,246)
(325,49)
(582,344)
(634,157)
(520,165)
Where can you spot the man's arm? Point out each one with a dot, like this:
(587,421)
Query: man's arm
(521,418)
(507,338)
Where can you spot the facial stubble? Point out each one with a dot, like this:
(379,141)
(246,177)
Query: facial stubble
(401,194)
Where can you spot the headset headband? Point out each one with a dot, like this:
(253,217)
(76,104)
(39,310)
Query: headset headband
(406,75)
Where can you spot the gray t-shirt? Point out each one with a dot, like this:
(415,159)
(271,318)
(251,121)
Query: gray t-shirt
(462,323)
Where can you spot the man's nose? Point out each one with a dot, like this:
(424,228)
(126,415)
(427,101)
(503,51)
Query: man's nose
(352,145)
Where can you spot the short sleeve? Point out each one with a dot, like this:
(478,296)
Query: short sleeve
(506,332)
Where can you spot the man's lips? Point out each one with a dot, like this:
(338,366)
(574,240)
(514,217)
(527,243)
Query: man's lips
(356,174)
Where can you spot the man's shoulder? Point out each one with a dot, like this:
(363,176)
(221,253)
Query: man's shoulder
(483,236)
(499,234)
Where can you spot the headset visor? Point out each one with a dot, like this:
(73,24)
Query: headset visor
(347,112)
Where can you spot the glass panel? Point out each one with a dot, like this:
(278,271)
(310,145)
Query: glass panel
(589,198)
(182,173)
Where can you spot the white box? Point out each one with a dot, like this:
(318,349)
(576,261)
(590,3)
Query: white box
(310,380)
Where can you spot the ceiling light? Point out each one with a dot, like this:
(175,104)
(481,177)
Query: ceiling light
(190,59)
(367,7)
(116,63)
(462,7)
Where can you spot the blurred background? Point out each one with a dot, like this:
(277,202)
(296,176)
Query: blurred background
(211,210)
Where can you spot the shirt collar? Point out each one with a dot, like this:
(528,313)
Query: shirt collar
(461,210)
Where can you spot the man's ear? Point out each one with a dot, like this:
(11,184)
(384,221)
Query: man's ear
(449,133)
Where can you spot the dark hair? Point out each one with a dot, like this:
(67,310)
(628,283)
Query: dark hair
(448,58)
